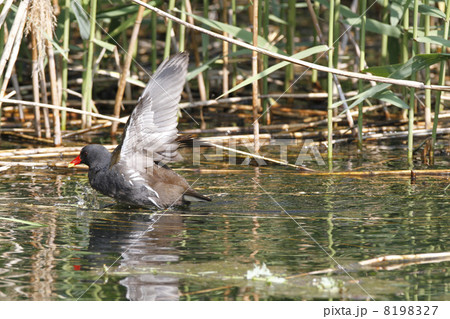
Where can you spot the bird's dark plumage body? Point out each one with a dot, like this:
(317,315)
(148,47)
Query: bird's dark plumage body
(135,172)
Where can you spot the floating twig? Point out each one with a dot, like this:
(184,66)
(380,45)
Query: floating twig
(389,262)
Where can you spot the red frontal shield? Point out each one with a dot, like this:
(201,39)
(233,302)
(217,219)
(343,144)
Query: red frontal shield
(76,161)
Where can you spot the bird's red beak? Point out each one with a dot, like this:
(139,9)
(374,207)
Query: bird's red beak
(76,161)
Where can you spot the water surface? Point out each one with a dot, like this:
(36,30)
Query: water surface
(270,216)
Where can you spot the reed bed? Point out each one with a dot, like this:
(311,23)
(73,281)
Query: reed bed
(72,57)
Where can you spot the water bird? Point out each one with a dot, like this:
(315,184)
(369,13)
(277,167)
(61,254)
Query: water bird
(135,173)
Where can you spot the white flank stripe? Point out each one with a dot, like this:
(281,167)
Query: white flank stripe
(152,190)
(153,201)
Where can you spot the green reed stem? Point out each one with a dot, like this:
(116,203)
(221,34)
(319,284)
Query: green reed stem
(169,31)
(405,53)
(233,46)
(336,31)
(154,38)
(64,71)
(412,99)
(427,72)
(291,19)
(182,27)
(404,49)
(330,83)
(362,62)
(442,72)
(87,93)
(265,61)
(314,74)
(205,47)
(384,37)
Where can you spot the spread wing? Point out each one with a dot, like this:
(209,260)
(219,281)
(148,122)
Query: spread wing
(151,131)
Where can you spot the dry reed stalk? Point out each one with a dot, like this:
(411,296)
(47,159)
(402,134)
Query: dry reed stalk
(422,132)
(225,49)
(230,100)
(118,75)
(43,87)
(300,126)
(126,68)
(255,100)
(391,262)
(11,47)
(107,102)
(236,129)
(41,22)
(403,173)
(316,25)
(356,75)
(49,106)
(37,156)
(18,129)
(200,79)
(393,135)
(15,83)
(255,156)
(61,150)
(243,138)
(5,11)
(279,131)
(14,51)
(56,98)
(35,82)
(4,164)
(10,71)
(295,136)
(388,262)
(92,128)
(10,94)
(204,291)
(28,137)
(286,128)
(56,7)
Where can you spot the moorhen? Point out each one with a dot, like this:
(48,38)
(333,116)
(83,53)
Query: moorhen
(135,172)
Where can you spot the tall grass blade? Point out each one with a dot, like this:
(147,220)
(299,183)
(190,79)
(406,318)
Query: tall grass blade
(82,19)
